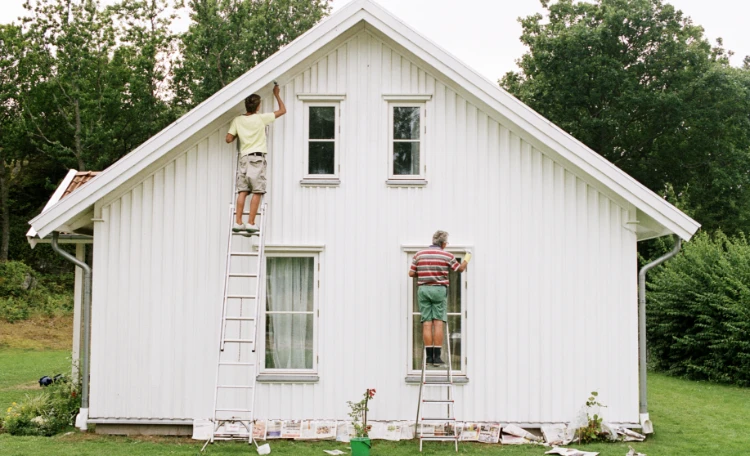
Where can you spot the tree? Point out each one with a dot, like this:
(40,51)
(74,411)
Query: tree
(637,82)
(229,37)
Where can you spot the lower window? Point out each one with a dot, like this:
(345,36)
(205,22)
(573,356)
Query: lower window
(289,314)
(456,327)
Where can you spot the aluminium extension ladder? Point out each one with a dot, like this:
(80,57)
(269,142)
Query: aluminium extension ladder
(234,394)
(446,399)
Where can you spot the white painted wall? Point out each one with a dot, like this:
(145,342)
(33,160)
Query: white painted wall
(551,295)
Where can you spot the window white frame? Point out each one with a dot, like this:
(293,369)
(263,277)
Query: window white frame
(460,252)
(300,253)
(401,102)
(336,141)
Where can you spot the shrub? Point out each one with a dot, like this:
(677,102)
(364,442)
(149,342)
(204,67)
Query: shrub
(698,313)
(44,413)
(24,293)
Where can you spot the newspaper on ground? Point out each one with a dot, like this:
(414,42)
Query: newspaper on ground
(307,430)
(628,435)
(325,430)
(554,434)
(407,431)
(334,452)
(291,429)
(427,430)
(345,431)
(632,452)
(392,431)
(376,430)
(259,430)
(202,429)
(571,452)
(470,432)
(273,429)
(489,432)
(609,429)
(508,439)
(518,431)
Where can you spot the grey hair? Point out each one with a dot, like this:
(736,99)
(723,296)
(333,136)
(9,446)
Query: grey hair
(440,237)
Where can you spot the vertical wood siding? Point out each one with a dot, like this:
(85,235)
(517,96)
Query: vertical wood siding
(551,297)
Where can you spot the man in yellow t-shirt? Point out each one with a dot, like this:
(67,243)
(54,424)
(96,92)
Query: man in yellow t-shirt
(251,172)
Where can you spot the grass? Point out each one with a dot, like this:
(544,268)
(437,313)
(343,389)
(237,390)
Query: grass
(690,418)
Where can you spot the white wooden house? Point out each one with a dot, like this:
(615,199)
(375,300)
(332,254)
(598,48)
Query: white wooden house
(545,313)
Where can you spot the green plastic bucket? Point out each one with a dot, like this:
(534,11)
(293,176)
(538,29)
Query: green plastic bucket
(361,446)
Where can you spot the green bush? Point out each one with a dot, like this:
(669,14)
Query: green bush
(698,313)
(24,293)
(45,413)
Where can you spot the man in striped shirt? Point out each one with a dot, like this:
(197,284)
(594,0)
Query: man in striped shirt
(431,267)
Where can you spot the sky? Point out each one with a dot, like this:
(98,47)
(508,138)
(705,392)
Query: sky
(485,33)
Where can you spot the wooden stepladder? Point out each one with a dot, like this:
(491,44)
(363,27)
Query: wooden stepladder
(234,394)
(441,403)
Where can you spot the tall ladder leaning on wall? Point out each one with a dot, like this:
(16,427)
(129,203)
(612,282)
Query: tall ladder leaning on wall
(445,398)
(234,394)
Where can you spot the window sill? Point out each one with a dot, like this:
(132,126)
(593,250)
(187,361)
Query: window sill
(406,182)
(417,379)
(287,378)
(320,182)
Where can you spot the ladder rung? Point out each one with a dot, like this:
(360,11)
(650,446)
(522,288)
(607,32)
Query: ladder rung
(437,384)
(232,410)
(240,318)
(245,233)
(243,253)
(235,363)
(241,274)
(439,438)
(240,296)
(439,401)
(240,341)
(438,419)
(235,386)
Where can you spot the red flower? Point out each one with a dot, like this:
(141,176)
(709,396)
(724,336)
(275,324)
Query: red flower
(73,394)
(371,393)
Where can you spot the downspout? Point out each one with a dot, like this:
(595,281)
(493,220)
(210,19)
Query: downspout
(647,426)
(82,418)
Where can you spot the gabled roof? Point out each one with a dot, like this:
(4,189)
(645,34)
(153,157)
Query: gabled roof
(517,114)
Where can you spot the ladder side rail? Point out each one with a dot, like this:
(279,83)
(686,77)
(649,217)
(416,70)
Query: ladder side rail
(258,303)
(222,321)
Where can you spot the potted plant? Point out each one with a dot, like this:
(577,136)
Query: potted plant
(361,443)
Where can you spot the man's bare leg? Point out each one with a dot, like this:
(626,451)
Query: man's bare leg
(427,333)
(437,333)
(240,207)
(254,205)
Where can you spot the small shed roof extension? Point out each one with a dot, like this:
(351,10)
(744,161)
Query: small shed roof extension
(655,216)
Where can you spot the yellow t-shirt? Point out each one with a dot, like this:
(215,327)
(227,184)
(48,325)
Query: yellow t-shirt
(252,132)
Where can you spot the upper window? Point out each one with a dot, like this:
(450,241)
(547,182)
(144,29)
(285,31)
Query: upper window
(456,326)
(406,140)
(290,314)
(322,140)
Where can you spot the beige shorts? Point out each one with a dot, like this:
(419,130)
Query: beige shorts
(251,174)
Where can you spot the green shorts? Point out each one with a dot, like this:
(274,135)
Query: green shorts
(433,302)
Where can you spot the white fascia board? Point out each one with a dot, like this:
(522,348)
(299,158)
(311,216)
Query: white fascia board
(199,117)
(31,235)
(529,120)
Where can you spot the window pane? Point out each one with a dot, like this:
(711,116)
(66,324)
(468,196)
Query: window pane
(406,122)
(322,122)
(289,284)
(289,341)
(405,158)
(321,157)
(454,291)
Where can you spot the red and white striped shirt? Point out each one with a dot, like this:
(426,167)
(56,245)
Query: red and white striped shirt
(432,266)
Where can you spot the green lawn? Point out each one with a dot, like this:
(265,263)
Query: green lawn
(690,418)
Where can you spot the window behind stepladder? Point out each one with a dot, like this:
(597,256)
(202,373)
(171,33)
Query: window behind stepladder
(455,323)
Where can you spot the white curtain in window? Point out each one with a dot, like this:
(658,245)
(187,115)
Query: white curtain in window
(289,335)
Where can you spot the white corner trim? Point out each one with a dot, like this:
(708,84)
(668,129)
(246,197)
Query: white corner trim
(407,97)
(321,96)
(290,248)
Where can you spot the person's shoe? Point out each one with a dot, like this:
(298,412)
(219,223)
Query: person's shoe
(429,355)
(437,362)
(237,227)
(251,228)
